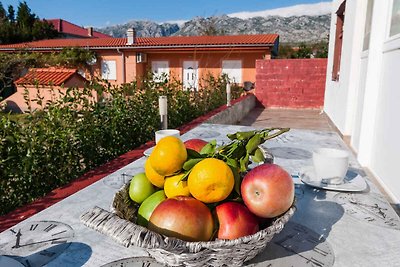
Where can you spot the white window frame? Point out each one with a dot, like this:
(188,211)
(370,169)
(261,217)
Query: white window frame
(397,35)
(368,20)
(236,78)
(109,70)
(392,42)
(157,77)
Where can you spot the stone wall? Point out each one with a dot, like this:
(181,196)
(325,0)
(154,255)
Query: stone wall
(234,113)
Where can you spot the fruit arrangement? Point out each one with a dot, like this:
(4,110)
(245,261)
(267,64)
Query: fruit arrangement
(198,191)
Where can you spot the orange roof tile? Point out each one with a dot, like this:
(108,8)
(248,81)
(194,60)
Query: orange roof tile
(47,76)
(262,40)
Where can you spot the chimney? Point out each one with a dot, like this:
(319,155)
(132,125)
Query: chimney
(131,36)
(90,31)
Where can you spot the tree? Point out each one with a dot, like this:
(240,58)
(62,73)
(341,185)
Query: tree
(285,51)
(25,21)
(43,30)
(23,27)
(3,14)
(11,14)
(304,51)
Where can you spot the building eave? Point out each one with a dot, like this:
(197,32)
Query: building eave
(142,47)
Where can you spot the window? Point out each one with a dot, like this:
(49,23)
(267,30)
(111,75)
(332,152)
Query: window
(233,68)
(109,69)
(395,20)
(338,41)
(160,70)
(368,21)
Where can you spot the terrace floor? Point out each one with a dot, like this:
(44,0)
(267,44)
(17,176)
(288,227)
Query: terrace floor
(292,118)
(302,119)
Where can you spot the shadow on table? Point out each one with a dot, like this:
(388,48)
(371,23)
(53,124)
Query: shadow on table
(303,240)
(72,254)
(290,153)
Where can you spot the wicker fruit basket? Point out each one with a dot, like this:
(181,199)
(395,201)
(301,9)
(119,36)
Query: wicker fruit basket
(119,225)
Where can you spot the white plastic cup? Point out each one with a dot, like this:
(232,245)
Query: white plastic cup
(168,132)
(330,165)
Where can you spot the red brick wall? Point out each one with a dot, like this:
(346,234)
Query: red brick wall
(291,83)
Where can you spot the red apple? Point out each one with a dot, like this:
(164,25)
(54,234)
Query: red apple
(268,190)
(183,217)
(235,220)
(195,144)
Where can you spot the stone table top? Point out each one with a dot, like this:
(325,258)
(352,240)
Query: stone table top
(329,228)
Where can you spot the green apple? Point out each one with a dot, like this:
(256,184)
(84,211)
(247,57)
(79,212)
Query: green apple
(140,188)
(148,206)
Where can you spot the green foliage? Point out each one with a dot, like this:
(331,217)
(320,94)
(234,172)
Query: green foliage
(25,26)
(12,66)
(47,149)
(303,50)
(321,49)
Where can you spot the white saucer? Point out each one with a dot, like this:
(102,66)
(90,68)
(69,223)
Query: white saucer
(148,151)
(353,182)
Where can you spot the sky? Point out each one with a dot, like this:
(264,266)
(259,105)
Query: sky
(101,13)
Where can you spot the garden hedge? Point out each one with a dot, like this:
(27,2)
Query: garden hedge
(47,149)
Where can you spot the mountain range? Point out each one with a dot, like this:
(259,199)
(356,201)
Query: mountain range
(293,29)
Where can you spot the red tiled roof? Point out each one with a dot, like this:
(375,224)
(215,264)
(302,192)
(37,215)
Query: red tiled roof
(152,42)
(66,27)
(47,76)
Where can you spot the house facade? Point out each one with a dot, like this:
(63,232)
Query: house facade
(45,83)
(362,89)
(189,59)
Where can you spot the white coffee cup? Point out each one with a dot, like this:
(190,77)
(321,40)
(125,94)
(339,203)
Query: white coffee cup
(330,164)
(168,132)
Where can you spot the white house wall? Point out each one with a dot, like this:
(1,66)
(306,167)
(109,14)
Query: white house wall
(340,95)
(386,142)
(365,102)
(359,105)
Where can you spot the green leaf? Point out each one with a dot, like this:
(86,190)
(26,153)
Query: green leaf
(245,135)
(185,177)
(231,162)
(238,179)
(231,136)
(258,156)
(253,143)
(209,148)
(192,154)
(244,162)
(188,165)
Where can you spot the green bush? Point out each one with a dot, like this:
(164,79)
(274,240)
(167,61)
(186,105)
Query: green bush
(47,149)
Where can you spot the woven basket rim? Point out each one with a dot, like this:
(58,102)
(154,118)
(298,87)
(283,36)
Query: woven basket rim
(278,222)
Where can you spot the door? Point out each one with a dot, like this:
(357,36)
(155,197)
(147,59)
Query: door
(160,70)
(190,75)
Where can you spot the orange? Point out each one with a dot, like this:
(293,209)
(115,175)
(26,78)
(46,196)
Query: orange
(168,156)
(211,180)
(175,187)
(154,178)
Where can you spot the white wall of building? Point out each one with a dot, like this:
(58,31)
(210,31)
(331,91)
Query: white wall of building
(365,102)
(341,95)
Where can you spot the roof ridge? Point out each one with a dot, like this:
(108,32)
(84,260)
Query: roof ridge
(154,42)
(54,69)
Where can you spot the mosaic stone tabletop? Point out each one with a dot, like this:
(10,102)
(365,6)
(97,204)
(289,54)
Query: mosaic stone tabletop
(330,228)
